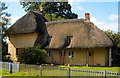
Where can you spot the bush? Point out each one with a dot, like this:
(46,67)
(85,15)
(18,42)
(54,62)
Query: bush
(32,55)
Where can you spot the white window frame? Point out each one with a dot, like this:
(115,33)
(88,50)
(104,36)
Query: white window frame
(49,54)
(71,53)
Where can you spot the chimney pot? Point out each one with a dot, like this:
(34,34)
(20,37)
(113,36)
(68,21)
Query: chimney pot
(41,10)
(87,16)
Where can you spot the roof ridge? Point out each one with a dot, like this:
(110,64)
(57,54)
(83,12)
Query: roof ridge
(66,21)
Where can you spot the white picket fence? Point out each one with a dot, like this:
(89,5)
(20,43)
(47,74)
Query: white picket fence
(11,67)
(56,71)
(62,71)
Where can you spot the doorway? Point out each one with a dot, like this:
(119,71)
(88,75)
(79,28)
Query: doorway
(91,58)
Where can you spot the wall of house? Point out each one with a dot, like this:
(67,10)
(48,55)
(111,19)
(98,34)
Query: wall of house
(19,42)
(12,51)
(99,57)
(78,59)
(54,58)
(23,40)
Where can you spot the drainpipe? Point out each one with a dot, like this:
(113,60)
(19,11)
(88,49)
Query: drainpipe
(52,58)
(62,56)
(87,59)
(110,53)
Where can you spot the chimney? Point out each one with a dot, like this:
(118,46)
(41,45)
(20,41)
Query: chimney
(87,19)
(87,16)
(41,10)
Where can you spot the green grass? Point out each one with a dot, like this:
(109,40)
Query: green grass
(95,68)
(30,74)
(36,72)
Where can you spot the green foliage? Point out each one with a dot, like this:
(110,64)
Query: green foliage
(52,10)
(52,17)
(116,48)
(32,55)
(4,21)
(114,36)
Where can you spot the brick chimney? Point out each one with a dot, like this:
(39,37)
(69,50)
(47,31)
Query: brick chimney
(87,16)
(87,19)
(41,11)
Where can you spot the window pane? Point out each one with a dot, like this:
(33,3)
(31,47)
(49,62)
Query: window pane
(71,53)
(49,54)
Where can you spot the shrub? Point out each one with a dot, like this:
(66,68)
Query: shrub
(32,55)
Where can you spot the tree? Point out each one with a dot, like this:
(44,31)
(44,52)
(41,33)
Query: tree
(116,48)
(4,21)
(114,36)
(51,10)
(32,55)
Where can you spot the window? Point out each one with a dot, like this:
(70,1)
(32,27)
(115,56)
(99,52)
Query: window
(50,54)
(71,53)
(90,54)
(68,41)
(69,38)
(62,54)
(19,50)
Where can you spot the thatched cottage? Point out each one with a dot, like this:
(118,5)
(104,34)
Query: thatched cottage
(71,41)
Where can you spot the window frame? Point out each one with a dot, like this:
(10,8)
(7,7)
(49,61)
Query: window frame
(71,53)
(49,54)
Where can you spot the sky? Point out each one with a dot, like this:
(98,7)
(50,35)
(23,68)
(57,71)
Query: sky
(103,14)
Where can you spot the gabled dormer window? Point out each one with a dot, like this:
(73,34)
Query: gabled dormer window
(69,38)
(68,41)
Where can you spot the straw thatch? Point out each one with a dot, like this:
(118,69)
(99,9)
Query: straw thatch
(71,33)
(31,22)
(76,33)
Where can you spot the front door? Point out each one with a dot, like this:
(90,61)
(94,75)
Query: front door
(91,58)
(60,57)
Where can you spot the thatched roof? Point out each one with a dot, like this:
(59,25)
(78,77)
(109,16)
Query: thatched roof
(31,22)
(76,33)
(71,33)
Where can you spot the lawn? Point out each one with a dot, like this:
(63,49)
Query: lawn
(95,68)
(6,74)
(55,72)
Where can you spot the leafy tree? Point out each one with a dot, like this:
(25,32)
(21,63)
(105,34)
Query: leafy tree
(116,48)
(32,55)
(4,21)
(114,36)
(52,10)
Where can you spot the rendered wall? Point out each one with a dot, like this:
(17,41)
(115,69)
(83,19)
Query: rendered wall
(12,51)
(20,41)
(23,40)
(100,56)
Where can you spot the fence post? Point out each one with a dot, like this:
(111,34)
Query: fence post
(10,67)
(68,72)
(105,74)
(18,67)
(40,70)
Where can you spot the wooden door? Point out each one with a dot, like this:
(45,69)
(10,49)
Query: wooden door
(91,58)
(60,57)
